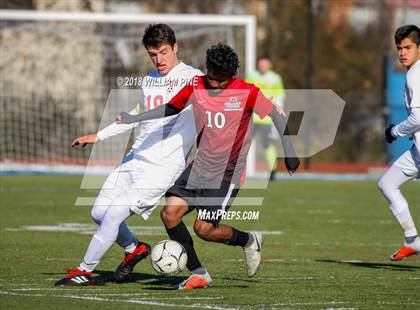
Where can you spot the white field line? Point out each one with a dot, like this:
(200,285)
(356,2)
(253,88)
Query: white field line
(181,298)
(280,260)
(92,228)
(397,303)
(310,303)
(342,302)
(277,280)
(20,294)
(202,306)
(120,294)
(29,289)
(163,298)
(130,301)
(344,243)
(125,294)
(60,259)
(268,260)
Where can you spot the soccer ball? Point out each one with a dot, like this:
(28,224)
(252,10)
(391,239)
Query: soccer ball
(168,257)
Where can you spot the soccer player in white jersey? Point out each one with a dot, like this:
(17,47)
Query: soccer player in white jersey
(156,160)
(407,166)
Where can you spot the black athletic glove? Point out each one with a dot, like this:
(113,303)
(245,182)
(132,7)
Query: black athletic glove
(388,135)
(292,163)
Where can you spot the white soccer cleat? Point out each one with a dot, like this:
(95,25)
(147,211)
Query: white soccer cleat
(406,250)
(196,281)
(253,254)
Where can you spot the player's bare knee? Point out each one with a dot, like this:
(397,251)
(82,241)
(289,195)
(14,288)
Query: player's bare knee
(170,214)
(174,210)
(164,215)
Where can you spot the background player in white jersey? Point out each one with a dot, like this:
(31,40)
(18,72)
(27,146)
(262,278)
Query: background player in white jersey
(407,166)
(156,160)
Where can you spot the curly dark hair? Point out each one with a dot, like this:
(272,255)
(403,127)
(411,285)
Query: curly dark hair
(157,34)
(222,61)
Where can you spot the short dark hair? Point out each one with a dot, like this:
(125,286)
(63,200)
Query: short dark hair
(222,60)
(157,34)
(408,31)
(264,57)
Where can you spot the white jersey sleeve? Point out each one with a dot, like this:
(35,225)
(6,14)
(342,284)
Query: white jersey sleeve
(412,102)
(116,129)
(412,92)
(410,125)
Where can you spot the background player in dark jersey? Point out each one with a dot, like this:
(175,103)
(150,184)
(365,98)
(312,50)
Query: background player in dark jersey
(223,105)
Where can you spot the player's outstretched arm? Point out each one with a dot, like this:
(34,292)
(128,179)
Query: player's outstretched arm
(410,125)
(162,111)
(280,122)
(84,140)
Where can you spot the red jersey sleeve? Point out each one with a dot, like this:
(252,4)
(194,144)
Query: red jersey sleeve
(262,105)
(181,99)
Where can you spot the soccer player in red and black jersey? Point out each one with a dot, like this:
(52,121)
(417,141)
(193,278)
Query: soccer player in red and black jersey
(223,105)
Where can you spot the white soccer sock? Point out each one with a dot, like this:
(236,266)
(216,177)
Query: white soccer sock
(390,186)
(131,247)
(94,253)
(399,208)
(404,219)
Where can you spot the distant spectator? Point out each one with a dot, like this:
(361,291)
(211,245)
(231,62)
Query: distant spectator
(271,84)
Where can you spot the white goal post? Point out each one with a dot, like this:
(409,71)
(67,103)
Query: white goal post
(203,20)
(248,21)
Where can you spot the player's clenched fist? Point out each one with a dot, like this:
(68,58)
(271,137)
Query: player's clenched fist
(84,140)
(280,111)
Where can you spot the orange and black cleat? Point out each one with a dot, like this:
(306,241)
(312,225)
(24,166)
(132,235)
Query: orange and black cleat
(406,250)
(195,281)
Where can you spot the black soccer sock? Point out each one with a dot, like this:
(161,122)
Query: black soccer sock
(181,234)
(238,238)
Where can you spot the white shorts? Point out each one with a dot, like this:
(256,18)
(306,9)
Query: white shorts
(409,163)
(139,185)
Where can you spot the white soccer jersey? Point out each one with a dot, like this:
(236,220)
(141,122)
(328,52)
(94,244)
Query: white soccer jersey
(411,126)
(412,101)
(412,87)
(158,154)
(165,139)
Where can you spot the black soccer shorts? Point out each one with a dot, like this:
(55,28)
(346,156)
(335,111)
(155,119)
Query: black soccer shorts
(211,203)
